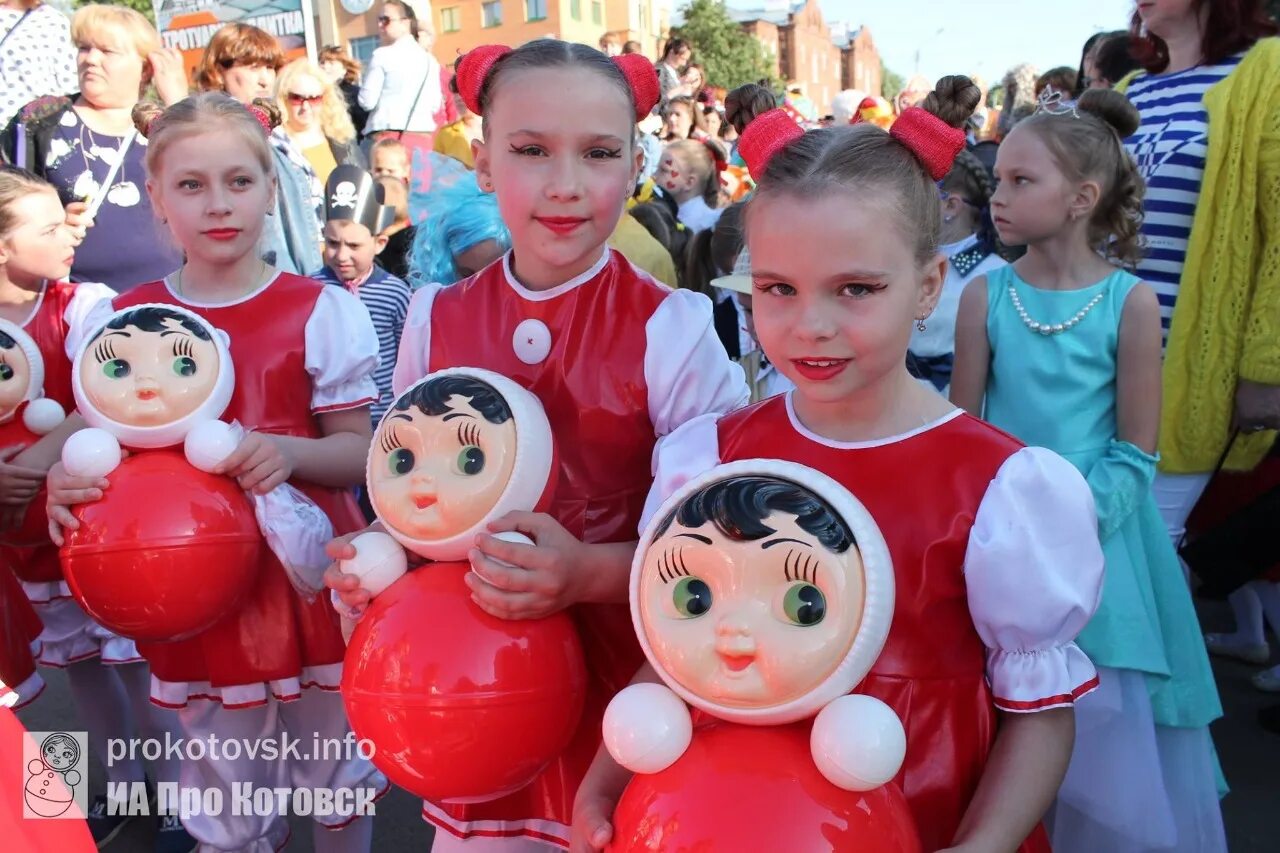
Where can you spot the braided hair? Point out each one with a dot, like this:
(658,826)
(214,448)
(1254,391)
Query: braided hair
(970,180)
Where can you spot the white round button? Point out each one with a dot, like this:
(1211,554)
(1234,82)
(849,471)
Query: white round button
(532,341)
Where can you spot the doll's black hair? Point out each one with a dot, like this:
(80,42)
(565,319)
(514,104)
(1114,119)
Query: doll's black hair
(738,506)
(7,341)
(432,398)
(151,318)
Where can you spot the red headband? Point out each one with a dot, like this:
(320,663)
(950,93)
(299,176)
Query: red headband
(642,77)
(261,115)
(475,65)
(474,68)
(768,134)
(934,142)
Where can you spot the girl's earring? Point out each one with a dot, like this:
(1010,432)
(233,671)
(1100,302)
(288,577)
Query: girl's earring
(920,324)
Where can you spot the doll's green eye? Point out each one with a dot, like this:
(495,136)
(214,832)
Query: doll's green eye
(6,373)
(470,460)
(400,461)
(184,366)
(692,597)
(116,368)
(804,604)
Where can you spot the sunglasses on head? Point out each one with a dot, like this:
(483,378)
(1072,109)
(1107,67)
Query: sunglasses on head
(384,20)
(305,99)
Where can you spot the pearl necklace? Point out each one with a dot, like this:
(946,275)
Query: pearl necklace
(1051,328)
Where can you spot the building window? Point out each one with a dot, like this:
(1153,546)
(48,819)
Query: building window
(362,48)
(535,10)
(575,9)
(644,16)
(451,19)
(597,12)
(491,13)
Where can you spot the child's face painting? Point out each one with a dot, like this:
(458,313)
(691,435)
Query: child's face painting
(435,477)
(15,378)
(149,378)
(750,624)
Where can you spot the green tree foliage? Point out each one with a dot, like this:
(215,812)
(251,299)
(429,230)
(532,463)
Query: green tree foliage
(730,56)
(891,83)
(143,6)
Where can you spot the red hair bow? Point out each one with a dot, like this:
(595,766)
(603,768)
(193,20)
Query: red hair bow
(643,79)
(934,142)
(254,110)
(765,137)
(473,69)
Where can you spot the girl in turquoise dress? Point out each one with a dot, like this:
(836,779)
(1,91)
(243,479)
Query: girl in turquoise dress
(1062,349)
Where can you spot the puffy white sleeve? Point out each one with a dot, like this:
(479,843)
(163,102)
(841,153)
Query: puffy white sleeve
(1033,570)
(685,366)
(692,448)
(342,352)
(90,304)
(413,360)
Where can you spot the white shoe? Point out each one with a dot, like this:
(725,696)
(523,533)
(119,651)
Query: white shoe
(1225,645)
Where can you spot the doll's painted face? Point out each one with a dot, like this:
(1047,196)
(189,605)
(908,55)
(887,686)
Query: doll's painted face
(151,373)
(441,462)
(60,752)
(750,623)
(15,375)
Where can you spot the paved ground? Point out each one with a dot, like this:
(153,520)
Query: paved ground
(1250,756)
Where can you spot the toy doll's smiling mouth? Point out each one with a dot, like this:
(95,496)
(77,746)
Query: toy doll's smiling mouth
(147,394)
(736,662)
(422,501)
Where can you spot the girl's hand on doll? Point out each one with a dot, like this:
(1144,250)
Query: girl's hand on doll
(346,585)
(18,484)
(65,491)
(259,464)
(591,829)
(513,580)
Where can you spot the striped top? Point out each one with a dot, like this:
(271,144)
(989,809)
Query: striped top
(1170,147)
(387,300)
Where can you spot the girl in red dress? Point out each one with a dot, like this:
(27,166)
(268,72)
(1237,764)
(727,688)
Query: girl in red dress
(106,675)
(616,359)
(304,356)
(994,545)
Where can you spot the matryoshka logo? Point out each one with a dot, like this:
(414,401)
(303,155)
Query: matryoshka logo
(54,764)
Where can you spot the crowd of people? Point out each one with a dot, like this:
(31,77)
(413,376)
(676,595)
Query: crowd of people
(1034,331)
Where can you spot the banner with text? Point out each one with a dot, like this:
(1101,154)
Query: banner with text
(188,25)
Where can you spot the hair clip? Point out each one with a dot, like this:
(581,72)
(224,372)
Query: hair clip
(934,142)
(254,110)
(473,69)
(765,137)
(1053,102)
(643,79)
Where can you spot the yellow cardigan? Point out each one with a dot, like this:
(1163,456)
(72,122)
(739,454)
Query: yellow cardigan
(1226,323)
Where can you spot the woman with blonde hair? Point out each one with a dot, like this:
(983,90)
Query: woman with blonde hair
(316,118)
(84,144)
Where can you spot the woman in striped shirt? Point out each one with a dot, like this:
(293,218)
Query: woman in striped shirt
(1209,108)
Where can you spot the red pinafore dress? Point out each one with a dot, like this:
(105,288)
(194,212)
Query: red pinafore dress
(932,670)
(592,385)
(276,636)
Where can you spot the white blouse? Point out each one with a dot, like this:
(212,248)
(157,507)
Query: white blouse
(37,59)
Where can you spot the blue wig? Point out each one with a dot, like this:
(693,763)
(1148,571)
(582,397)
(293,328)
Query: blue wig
(452,215)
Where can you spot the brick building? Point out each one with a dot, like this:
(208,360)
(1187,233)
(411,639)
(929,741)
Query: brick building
(822,59)
(460,25)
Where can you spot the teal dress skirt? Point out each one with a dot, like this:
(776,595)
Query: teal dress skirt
(1143,773)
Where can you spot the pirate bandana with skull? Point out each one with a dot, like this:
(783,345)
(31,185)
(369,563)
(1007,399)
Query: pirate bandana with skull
(352,194)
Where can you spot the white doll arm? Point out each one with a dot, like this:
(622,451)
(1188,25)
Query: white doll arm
(858,743)
(379,562)
(647,728)
(91,453)
(43,416)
